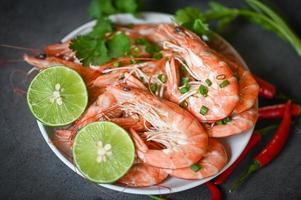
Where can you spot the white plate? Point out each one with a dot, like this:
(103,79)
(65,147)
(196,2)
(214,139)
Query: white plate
(234,144)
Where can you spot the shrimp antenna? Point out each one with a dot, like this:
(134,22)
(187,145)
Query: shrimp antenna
(20,48)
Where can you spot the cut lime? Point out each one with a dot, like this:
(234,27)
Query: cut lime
(57,96)
(103,152)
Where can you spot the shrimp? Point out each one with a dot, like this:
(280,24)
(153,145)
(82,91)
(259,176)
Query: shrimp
(203,64)
(239,123)
(183,136)
(214,161)
(143,175)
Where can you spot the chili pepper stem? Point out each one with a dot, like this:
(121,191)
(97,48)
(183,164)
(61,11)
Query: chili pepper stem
(266,130)
(253,168)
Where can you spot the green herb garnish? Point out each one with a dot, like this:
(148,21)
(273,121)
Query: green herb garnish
(95,48)
(184,80)
(195,167)
(209,83)
(184,89)
(116,64)
(162,78)
(224,121)
(192,18)
(158,55)
(203,90)
(154,87)
(223,84)
(204,110)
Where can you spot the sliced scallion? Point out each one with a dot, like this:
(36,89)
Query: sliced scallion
(195,167)
(225,83)
(204,110)
(209,83)
(203,90)
(154,87)
(162,78)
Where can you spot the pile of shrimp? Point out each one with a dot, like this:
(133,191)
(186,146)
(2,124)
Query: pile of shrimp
(175,133)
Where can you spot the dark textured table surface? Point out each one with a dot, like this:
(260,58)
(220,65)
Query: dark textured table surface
(29,169)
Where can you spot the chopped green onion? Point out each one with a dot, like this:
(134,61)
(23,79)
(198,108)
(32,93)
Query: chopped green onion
(224,121)
(136,49)
(184,89)
(116,64)
(196,167)
(141,41)
(162,78)
(203,90)
(154,87)
(184,104)
(152,48)
(227,120)
(158,55)
(209,83)
(221,77)
(220,122)
(204,110)
(133,61)
(224,84)
(184,80)
(182,71)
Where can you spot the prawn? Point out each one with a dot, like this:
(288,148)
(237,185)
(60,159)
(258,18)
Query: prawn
(183,136)
(214,161)
(203,64)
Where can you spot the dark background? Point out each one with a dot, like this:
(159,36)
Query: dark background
(29,169)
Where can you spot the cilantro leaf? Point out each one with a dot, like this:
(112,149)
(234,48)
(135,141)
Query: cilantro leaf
(94,48)
(89,50)
(128,6)
(102,27)
(101,8)
(118,45)
(192,18)
(200,27)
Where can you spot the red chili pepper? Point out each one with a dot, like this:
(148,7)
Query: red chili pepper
(254,140)
(277,111)
(214,191)
(271,150)
(266,89)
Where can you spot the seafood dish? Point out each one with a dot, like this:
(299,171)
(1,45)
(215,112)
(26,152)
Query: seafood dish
(176,96)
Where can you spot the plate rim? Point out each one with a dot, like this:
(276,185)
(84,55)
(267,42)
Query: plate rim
(160,190)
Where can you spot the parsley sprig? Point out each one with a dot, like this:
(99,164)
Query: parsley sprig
(102,43)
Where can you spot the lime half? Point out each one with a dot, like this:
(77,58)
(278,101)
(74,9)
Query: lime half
(103,152)
(57,96)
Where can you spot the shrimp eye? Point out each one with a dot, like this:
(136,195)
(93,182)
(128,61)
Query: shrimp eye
(41,56)
(178,29)
(125,88)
